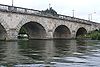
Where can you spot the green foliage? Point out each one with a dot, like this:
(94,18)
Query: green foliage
(22,31)
(94,35)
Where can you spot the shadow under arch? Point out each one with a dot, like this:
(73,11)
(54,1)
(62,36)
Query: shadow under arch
(3,32)
(32,30)
(81,31)
(62,32)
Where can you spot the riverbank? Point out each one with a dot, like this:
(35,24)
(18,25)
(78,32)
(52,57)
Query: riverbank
(93,35)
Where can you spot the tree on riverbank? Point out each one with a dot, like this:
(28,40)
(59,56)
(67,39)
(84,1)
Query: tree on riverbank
(94,35)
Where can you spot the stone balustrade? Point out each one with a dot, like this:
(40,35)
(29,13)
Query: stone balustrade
(39,13)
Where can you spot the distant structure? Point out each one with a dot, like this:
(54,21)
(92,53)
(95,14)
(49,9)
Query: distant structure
(50,11)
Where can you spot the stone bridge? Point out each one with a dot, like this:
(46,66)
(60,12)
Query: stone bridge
(38,25)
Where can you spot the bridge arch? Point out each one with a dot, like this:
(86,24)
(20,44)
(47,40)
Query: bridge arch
(33,30)
(81,31)
(3,29)
(62,32)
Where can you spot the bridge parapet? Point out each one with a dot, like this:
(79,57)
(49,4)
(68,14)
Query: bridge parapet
(7,8)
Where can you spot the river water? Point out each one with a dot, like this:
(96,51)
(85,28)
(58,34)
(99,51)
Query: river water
(50,53)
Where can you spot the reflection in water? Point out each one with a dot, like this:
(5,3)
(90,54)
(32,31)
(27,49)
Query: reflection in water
(33,49)
(73,47)
(49,52)
(2,51)
(11,52)
(58,53)
(82,46)
(62,47)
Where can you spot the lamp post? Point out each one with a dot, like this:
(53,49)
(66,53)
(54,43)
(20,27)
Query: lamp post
(12,3)
(90,15)
(49,5)
(73,13)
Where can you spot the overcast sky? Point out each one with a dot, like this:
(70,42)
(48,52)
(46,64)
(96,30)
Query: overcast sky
(82,8)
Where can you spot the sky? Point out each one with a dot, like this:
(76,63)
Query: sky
(83,9)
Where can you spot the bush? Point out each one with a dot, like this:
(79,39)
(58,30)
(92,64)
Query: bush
(94,35)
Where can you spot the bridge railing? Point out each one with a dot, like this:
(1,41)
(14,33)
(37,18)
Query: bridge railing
(37,12)
(69,18)
(18,9)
